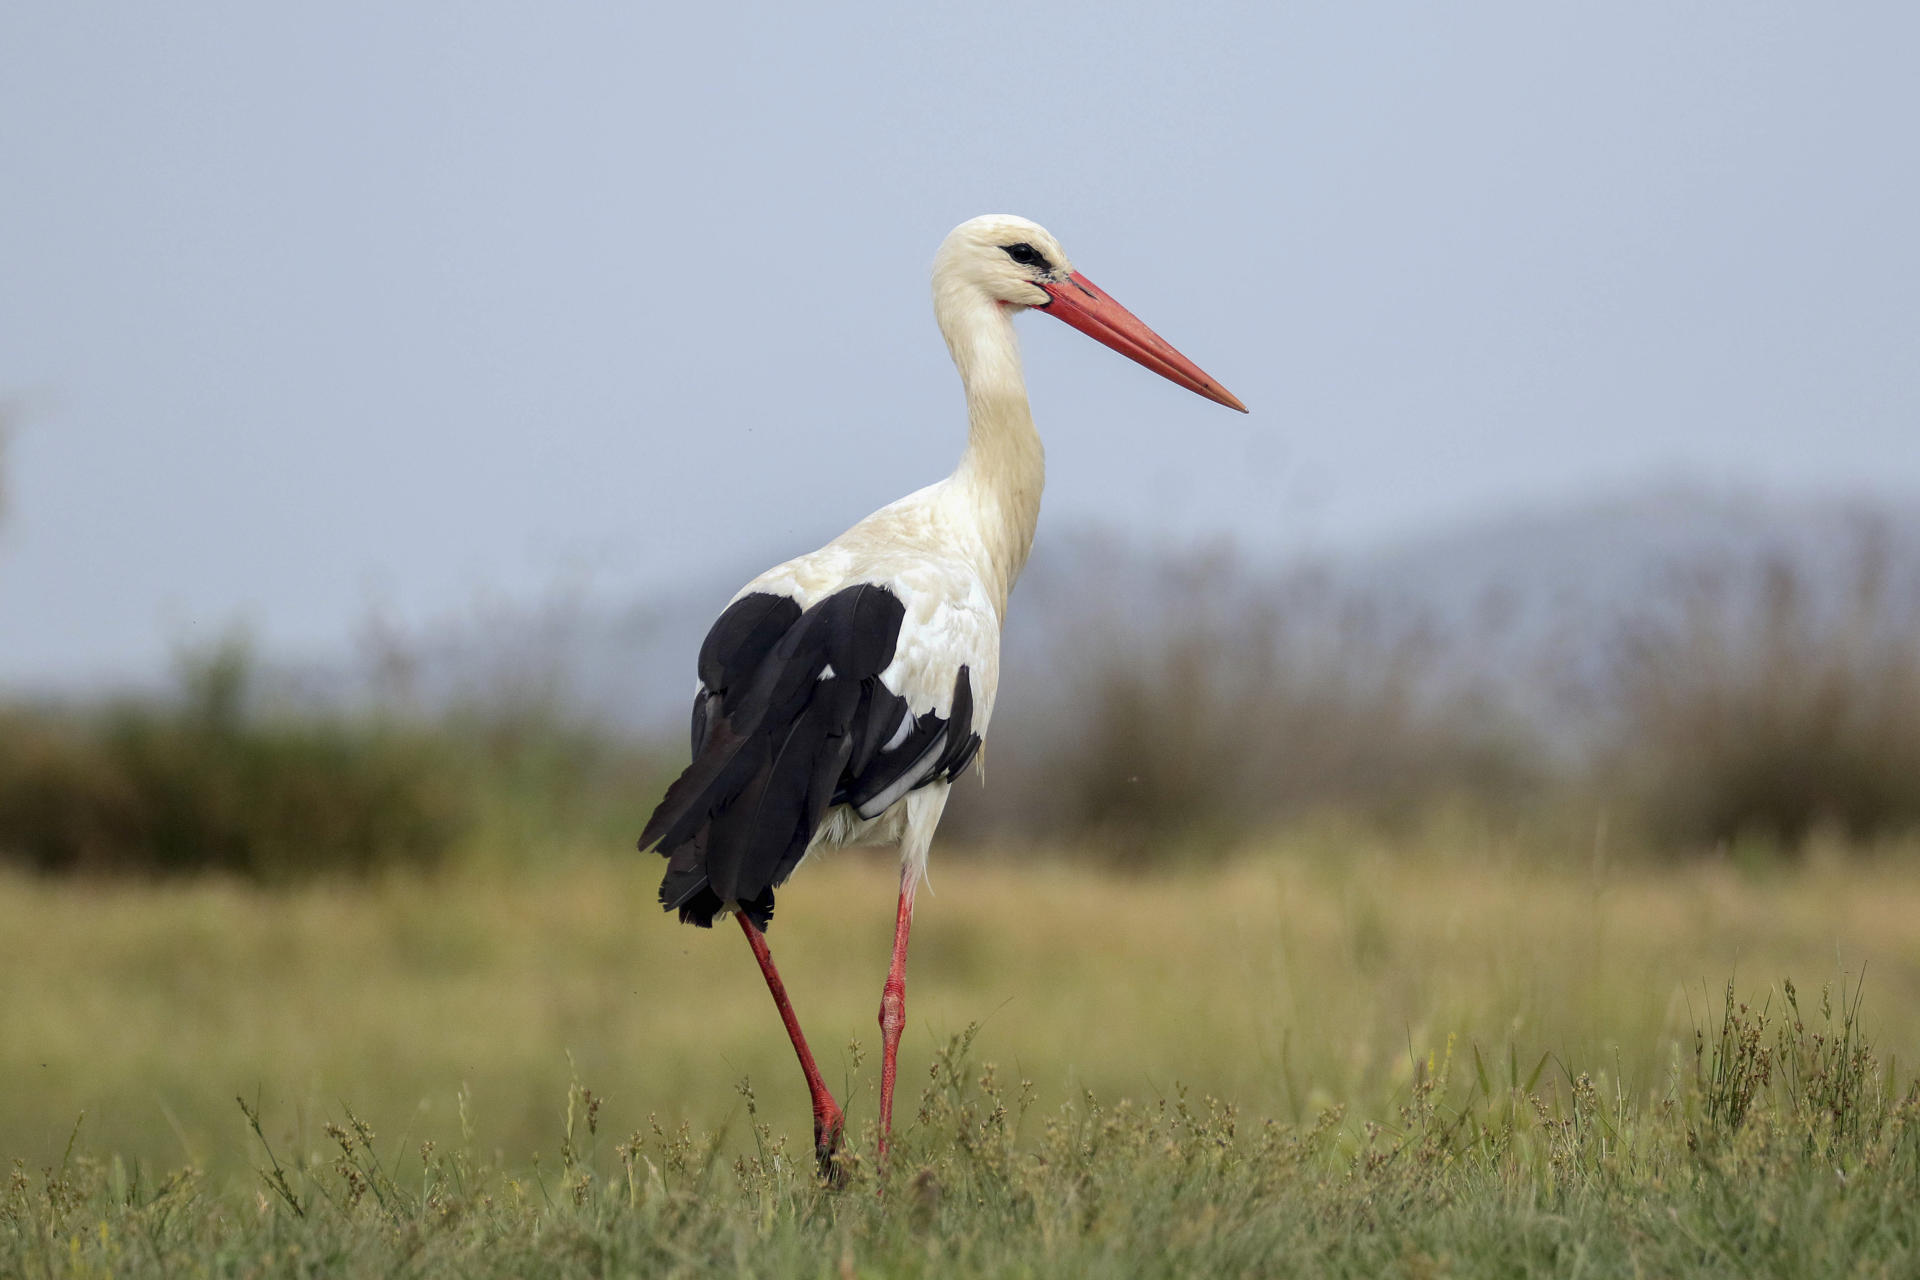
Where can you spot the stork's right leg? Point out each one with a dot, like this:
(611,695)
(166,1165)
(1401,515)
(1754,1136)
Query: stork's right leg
(827,1120)
(893,1005)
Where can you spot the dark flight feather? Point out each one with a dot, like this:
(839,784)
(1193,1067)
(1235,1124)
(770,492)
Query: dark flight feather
(791,719)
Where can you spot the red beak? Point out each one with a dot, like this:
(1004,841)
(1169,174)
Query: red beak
(1087,307)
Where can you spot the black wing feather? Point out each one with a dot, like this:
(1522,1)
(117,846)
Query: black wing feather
(791,719)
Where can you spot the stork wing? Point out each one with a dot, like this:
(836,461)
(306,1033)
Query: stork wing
(794,715)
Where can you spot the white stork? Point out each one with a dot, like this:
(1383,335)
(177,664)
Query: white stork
(841,693)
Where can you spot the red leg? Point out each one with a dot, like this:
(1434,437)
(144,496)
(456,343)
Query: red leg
(893,1005)
(827,1120)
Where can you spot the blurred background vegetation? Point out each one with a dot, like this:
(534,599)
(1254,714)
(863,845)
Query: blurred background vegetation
(1749,702)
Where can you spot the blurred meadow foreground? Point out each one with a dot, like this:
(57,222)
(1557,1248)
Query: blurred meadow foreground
(1292,934)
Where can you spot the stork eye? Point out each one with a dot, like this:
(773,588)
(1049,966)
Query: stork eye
(1026,255)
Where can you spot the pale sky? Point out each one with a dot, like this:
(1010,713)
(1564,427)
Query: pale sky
(397,307)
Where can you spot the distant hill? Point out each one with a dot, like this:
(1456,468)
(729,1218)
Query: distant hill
(1605,557)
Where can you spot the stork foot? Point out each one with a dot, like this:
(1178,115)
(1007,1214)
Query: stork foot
(828,1129)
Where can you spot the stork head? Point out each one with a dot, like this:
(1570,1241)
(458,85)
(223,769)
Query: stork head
(1013,263)
(1005,258)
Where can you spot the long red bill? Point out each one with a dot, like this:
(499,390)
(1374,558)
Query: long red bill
(1087,307)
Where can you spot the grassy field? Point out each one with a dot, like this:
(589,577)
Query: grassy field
(1452,1056)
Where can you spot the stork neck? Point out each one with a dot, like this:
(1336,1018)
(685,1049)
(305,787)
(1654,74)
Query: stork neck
(1004,468)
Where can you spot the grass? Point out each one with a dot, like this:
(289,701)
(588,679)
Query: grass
(1456,1056)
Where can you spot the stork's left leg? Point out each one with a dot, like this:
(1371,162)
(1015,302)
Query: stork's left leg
(827,1119)
(893,1004)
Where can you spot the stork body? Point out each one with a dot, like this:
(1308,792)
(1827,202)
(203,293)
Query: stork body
(841,693)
